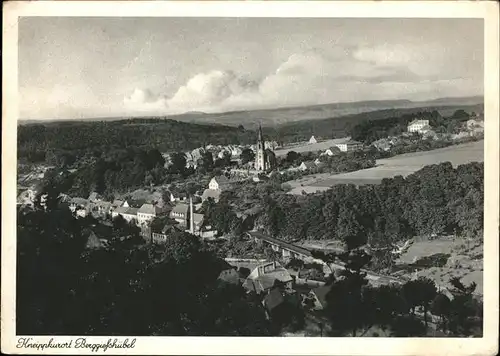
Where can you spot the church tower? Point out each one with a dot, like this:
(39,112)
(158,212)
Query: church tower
(260,154)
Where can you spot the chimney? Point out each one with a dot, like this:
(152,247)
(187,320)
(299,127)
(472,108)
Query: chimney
(191,215)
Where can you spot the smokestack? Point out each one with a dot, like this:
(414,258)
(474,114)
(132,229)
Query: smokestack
(191,215)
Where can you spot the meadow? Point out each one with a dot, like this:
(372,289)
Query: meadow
(403,165)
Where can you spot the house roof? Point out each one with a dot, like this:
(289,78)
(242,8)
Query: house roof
(266,280)
(198,218)
(308,164)
(180,208)
(131,211)
(148,209)
(210,193)
(79,201)
(321,293)
(221,179)
(417,121)
(117,202)
(121,210)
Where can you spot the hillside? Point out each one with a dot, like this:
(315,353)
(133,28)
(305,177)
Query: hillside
(163,134)
(283,116)
(337,127)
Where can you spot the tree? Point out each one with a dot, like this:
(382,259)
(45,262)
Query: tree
(247,155)
(420,292)
(207,161)
(441,306)
(348,302)
(466,312)
(178,163)
(292,156)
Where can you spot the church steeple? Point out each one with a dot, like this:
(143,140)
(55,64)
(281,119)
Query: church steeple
(260,154)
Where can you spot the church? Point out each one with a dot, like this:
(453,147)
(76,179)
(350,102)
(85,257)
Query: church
(265,159)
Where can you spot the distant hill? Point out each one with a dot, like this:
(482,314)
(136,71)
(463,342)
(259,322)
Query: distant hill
(336,127)
(275,117)
(250,119)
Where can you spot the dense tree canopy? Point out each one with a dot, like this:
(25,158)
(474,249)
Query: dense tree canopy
(65,288)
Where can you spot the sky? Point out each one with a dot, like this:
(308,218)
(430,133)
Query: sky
(78,67)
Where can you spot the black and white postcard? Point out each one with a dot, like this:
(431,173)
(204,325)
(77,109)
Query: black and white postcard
(250,178)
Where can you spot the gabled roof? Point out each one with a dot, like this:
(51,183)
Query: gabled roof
(121,210)
(210,193)
(180,209)
(148,209)
(79,201)
(117,203)
(308,164)
(417,121)
(221,179)
(131,211)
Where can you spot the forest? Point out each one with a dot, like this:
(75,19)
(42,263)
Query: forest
(438,199)
(80,138)
(67,286)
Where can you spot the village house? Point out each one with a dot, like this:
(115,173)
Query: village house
(211,193)
(78,204)
(313,140)
(126,212)
(219,183)
(146,213)
(264,277)
(331,151)
(419,126)
(101,208)
(305,166)
(180,213)
(349,146)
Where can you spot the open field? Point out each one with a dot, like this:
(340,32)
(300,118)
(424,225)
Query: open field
(403,165)
(465,260)
(310,147)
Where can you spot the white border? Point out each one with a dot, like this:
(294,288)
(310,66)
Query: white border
(260,346)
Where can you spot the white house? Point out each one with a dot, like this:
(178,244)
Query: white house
(218,183)
(349,146)
(313,140)
(180,214)
(304,166)
(146,213)
(331,151)
(129,214)
(419,126)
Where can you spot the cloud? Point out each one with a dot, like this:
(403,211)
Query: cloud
(312,77)
(143,100)
(209,90)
